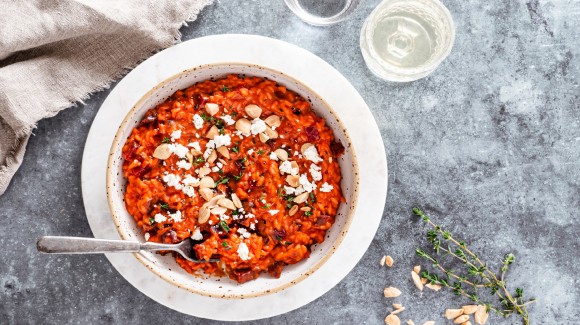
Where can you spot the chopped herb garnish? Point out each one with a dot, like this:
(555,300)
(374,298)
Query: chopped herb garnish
(204,116)
(151,221)
(244,159)
(279,192)
(238,177)
(224,226)
(266,206)
(288,206)
(260,152)
(226,245)
(166,140)
(222,131)
(308,213)
(219,124)
(262,197)
(225,88)
(289,198)
(287,243)
(164,206)
(198,160)
(236,212)
(223,180)
(236,149)
(234,114)
(312,197)
(221,172)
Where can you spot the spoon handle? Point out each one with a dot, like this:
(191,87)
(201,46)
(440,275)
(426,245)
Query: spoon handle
(79,245)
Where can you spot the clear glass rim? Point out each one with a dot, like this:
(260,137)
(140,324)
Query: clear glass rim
(314,20)
(422,70)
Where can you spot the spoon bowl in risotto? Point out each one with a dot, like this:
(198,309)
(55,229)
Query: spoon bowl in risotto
(249,164)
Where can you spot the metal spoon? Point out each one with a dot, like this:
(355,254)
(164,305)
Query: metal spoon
(80,245)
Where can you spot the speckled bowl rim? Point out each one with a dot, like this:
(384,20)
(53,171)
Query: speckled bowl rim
(324,105)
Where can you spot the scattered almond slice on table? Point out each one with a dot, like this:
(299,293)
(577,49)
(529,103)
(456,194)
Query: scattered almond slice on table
(410,322)
(453,313)
(417,280)
(461,319)
(431,322)
(392,320)
(391,292)
(481,315)
(469,309)
(434,287)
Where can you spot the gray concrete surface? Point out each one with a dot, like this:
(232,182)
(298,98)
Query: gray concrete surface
(489,145)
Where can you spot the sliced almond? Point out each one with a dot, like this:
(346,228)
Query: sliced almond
(294,165)
(305,209)
(429,322)
(203,215)
(434,287)
(281,154)
(423,281)
(218,210)
(417,269)
(417,280)
(236,201)
(206,193)
(301,198)
(212,157)
(293,180)
(469,309)
(224,152)
(453,313)
(189,157)
(481,315)
(207,182)
(253,111)
(383,260)
(244,125)
(195,152)
(397,306)
(305,147)
(391,292)
(203,171)
(410,322)
(213,131)
(461,319)
(273,120)
(293,210)
(467,323)
(211,108)
(392,320)
(213,202)
(227,203)
(271,133)
(264,138)
(400,310)
(162,151)
(389,261)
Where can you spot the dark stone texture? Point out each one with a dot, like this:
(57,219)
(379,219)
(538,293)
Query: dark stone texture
(489,144)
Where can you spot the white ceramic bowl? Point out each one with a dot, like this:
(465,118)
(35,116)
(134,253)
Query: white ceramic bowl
(165,266)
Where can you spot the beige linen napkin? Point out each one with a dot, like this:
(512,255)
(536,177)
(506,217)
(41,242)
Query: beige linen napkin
(55,53)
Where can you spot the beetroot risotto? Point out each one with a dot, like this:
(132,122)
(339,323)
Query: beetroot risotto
(242,166)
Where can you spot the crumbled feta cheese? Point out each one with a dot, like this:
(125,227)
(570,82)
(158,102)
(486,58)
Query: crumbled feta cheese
(326,187)
(243,252)
(219,164)
(184,164)
(159,218)
(172,180)
(299,190)
(312,154)
(190,180)
(253,226)
(195,145)
(273,212)
(239,134)
(251,151)
(197,121)
(315,172)
(222,140)
(286,167)
(147,236)
(178,149)
(188,190)
(224,217)
(207,152)
(197,235)
(210,222)
(215,169)
(308,186)
(289,190)
(258,126)
(244,232)
(175,135)
(175,216)
(273,156)
(228,119)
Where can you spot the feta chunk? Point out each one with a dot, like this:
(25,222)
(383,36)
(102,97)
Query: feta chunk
(197,121)
(312,154)
(160,218)
(184,164)
(243,252)
(175,135)
(197,235)
(228,119)
(172,180)
(258,126)
(326,187)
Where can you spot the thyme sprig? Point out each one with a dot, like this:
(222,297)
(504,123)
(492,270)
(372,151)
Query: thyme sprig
(477,275)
